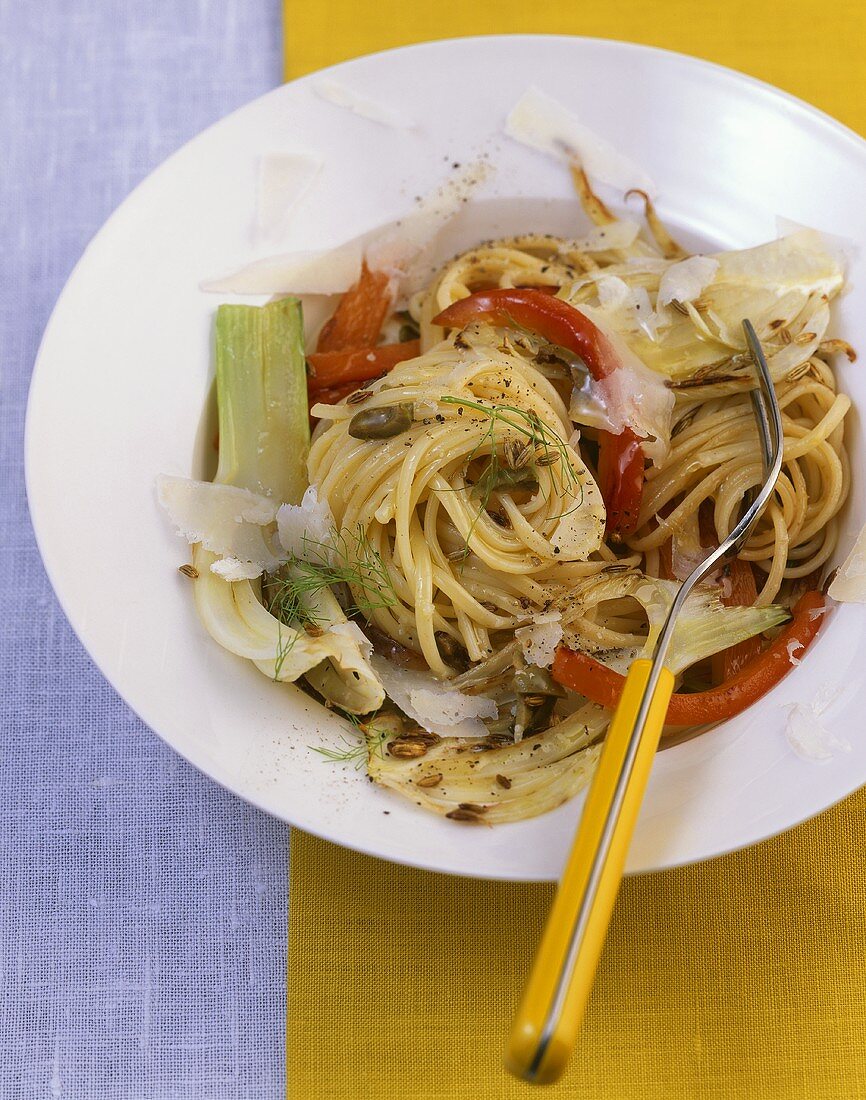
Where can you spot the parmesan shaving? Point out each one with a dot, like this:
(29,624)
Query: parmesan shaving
(539,640)
(632,396)
(542,122)
(799,262)
(793,648)
(233,569)
(301,525)
(807,735)
(849,584)
(433,704)
(235,523)
(843,249)
(350,100)
(684,281)
(329,272)
(686,556)
(284,179)
(626,308)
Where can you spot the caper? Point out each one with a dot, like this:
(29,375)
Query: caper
(381,423)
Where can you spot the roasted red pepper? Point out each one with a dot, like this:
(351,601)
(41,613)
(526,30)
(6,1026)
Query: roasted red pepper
(360,315)
(621,461)
(602,685)
(337,368)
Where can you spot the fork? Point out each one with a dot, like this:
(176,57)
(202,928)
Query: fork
(554,998)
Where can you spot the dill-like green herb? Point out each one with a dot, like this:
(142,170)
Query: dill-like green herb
(283,602)
(346,558)
(550,451)
(284,648)
(356,752)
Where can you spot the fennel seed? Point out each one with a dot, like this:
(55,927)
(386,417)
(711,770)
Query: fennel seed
(429,780)
(517,455)
(464,815)
(358,396)
(472,808)
(420,734)
(407,748)
(796,373)
(188,571)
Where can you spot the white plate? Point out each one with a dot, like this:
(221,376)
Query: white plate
(124,368)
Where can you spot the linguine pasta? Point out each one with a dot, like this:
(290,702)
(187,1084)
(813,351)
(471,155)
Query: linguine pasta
(503,499)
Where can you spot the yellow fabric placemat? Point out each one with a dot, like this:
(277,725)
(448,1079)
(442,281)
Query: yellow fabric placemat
(742,978)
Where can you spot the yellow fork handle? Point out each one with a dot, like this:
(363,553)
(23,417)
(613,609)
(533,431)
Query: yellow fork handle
(550,1012)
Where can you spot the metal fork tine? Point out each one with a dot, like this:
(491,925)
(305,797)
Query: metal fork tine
(761,397)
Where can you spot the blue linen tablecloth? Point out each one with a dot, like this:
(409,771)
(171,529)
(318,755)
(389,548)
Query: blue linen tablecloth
(142,908)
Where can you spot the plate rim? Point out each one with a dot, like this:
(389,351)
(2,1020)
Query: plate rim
(371,847)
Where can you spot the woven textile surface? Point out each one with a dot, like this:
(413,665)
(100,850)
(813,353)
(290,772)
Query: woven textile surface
(739,979)
(142,908)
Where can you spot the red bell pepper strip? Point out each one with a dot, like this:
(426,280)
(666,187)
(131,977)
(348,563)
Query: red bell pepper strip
(621,461)
(602,685)
(360,315)
(335,368)
(620,480)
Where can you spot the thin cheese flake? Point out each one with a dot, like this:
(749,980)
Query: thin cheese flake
(807,734)
(432,704)
(684,281)
(232,522)
(542,122)
(632,396)
(305,526)
(329,272)
(233,569)
(539,640)
(849,584)
(363,106)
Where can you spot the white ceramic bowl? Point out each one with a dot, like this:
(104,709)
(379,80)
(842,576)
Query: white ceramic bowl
(125,365)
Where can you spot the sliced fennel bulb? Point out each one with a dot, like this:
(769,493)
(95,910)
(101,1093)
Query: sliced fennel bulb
(705,625)
(263,441)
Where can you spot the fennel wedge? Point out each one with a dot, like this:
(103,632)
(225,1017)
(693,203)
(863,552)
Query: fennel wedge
(263,442)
